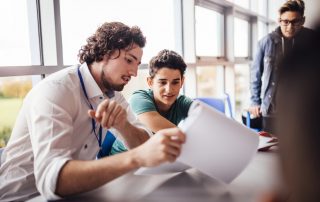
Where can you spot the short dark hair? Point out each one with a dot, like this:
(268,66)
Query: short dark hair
(169,59)
(110,37)
(293,5)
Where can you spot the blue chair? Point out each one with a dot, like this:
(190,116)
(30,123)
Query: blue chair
(106,145)
(218,103)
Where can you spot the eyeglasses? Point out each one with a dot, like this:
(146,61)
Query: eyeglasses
(295,22)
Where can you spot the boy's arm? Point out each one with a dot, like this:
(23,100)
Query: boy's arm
(155,121)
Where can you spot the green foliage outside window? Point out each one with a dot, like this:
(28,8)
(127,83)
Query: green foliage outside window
(12,93)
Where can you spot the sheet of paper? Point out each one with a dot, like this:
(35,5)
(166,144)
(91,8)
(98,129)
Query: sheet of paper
(216,145)
(266,142)
(163,169)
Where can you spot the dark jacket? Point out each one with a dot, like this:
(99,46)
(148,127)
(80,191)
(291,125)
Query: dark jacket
(263,72)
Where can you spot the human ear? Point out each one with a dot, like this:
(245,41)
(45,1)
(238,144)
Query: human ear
(149,81)
(303,20)
(182,81)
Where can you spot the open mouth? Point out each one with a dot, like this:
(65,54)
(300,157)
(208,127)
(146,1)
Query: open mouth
(126,79)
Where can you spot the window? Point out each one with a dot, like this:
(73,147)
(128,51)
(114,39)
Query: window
(259,6)
(210,81)
(12,92)
(274,6)
(15,51)
(14,35)
(262,7)
(242,88)
(241,38)
(242,3)
(262,29)
(136,83)
(80,18)
(209,32)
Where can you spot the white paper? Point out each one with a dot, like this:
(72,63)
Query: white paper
(266,142)
(165,168)
(216,145)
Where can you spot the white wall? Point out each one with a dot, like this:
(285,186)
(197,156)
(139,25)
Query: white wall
(312,12)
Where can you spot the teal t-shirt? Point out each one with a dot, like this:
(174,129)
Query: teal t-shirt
(142,101)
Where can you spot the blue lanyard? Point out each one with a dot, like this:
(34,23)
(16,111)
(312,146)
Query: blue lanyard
(93,122)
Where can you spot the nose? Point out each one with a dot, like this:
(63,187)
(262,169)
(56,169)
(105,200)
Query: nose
(134,70)
(168,88)
(290,26)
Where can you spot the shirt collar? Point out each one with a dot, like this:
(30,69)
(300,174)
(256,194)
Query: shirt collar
(91,85)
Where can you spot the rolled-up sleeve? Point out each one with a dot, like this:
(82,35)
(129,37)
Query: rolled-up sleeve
(51,129)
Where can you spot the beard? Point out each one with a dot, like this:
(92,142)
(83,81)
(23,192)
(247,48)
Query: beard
(109,85)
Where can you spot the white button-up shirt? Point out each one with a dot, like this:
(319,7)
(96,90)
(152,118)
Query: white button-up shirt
(52,128)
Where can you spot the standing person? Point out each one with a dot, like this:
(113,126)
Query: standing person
(271,49)
(55,140)
(161,106)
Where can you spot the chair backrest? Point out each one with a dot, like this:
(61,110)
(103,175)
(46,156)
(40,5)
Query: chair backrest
(106,145)
(218,103)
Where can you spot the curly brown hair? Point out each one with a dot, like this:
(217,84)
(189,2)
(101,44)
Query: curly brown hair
(110,37)
(169,59)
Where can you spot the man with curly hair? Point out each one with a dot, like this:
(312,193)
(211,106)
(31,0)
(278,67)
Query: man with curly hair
(61,125)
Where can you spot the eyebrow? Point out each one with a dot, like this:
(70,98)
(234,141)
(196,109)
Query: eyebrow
(177,79)
(134,57)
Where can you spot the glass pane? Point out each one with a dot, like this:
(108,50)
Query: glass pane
(209,32)
(210,81)
(262,7)
(272,27)
(14,35)
(242,91)
(136,83)
(241,38)
(12,92)
(80,18)
(262,29)
(242,3)
(274,6)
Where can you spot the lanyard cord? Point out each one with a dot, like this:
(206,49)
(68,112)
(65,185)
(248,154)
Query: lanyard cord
(93,122)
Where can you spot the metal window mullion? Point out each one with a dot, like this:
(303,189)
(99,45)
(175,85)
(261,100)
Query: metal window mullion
(58,34)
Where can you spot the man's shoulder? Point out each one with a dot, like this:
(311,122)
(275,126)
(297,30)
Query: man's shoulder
(63,74)
(269,39)
(142,101)
(62,79)
(142,93)
(141,96)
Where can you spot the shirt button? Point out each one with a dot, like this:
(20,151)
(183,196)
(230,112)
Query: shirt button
(272,83)
(269,96)
(85,146)
(101,98)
